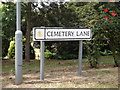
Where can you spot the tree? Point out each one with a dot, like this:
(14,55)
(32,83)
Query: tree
(8,25)
(28,32)
(108,27)
(86,18)
(103,18)
(58,15)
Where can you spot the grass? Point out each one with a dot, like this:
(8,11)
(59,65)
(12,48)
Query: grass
(62,74)
(9,65)
(106,60)
(101,72)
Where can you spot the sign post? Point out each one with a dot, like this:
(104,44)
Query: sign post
(42,44)
(18,46)
(80,57)
(60,34)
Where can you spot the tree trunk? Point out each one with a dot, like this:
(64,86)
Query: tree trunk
(113,46)
(27,43)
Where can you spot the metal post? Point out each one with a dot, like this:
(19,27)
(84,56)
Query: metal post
(18,46)
(0,50)
(80,58)
(42,44)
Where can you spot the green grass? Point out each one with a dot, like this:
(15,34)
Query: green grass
(91,78)
(9,66)
(106,60)
(102,72)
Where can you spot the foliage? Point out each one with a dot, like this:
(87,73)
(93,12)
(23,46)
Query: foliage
(49,55)
(5,46)
(58,15)
(93,53)
(102,18)
(8,25)
(11,50)
(67,50)
(87,18)
(108,27)
(105,52)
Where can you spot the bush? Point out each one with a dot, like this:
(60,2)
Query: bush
(49,55)
(11,50)
(93,61)
(106,52)
(66,56)
(5,46)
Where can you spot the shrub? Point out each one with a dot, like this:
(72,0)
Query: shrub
(11,50)
(5,46)
(49,55)
(66,56)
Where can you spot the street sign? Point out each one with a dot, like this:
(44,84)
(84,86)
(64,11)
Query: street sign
(60,34)
(43,34)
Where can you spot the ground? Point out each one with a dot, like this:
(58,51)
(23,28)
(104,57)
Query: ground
(61,74)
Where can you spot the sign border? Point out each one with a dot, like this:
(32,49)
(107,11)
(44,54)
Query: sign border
(57,39)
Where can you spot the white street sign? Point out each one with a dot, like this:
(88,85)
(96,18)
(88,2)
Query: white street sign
(60,34)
